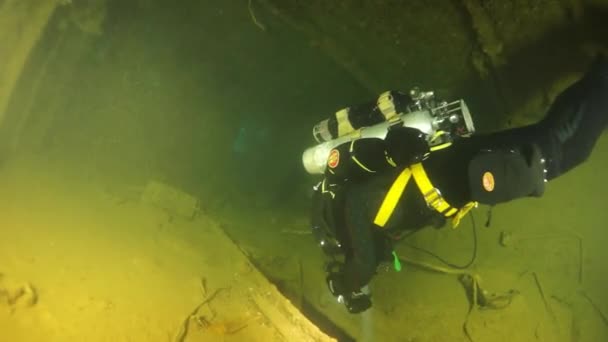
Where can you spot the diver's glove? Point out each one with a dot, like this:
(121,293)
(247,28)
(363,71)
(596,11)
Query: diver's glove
(354,301)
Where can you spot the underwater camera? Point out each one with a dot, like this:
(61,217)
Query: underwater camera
(442,122)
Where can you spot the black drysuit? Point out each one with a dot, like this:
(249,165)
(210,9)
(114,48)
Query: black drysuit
(566,137)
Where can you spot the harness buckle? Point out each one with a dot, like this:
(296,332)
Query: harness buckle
(433,198)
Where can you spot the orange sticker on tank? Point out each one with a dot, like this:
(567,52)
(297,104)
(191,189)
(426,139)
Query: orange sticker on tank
(487,180)
(334,159)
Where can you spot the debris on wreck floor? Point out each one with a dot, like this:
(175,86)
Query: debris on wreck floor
(79,265)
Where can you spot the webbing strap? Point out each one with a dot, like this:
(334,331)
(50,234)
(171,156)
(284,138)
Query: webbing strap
(432,197)
(344,125)
(387,105)
(462,212)
(392,198)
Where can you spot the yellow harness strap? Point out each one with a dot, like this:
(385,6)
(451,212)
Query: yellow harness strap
(392,197)
(436,136)
(432,197)
(462,212)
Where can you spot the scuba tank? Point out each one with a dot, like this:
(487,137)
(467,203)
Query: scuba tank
(441,123)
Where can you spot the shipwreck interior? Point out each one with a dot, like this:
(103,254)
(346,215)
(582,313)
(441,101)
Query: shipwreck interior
(152,189)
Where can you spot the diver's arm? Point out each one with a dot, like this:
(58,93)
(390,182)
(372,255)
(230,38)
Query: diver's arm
(562,140)
(576,119)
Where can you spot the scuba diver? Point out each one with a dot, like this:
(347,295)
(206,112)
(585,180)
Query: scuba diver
(408,161)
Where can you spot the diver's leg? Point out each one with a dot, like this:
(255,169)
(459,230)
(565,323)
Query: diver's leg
(362,241)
